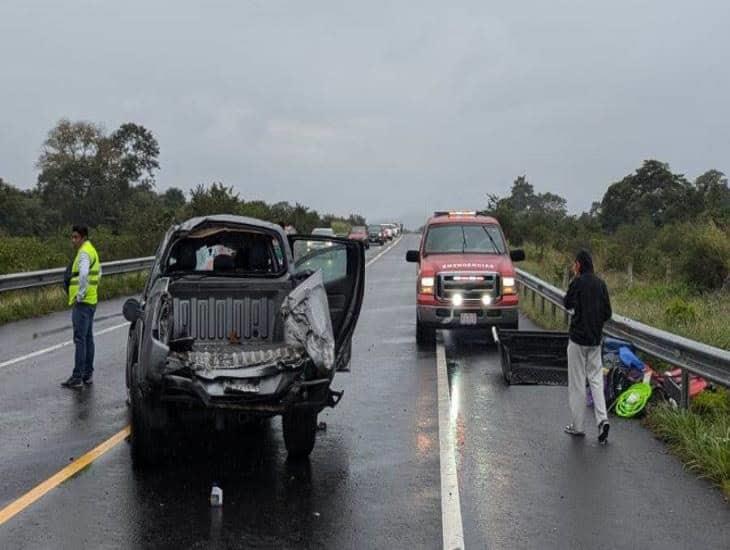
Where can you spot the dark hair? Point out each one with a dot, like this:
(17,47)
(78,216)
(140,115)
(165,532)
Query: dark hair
(281,224)
(586,262)
(81,229)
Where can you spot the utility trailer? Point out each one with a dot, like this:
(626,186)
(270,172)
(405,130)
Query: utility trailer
(533,357)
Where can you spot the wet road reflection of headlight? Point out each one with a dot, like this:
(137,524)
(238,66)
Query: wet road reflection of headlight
(457,299)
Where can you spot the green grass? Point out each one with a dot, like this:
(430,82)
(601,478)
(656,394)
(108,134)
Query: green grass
(699,437)
(25,304)
(673,307)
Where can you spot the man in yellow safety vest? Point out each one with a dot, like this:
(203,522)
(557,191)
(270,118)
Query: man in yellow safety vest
(83,288)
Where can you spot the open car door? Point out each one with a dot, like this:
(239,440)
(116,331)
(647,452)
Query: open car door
(342,262)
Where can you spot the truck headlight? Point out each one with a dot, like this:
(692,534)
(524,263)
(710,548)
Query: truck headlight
(426,285)
(508,285)
(486,299)
(457,299)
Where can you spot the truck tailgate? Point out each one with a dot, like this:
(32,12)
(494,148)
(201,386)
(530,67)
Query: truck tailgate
(533,357)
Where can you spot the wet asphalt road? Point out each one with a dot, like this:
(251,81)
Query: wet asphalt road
(373,480)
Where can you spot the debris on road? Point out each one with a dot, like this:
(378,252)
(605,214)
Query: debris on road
(216,495)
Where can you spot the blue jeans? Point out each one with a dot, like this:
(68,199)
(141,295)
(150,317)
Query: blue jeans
(82,317)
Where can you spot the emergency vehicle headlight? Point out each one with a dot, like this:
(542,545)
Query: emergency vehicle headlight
(426,285)
(486,299)
(508,285)
(457,299)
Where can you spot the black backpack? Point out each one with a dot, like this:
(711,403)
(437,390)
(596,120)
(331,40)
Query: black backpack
(616,382)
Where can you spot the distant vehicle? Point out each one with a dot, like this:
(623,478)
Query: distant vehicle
(388,232)
(396,229)
(465,277)
(376,234)
(359,233)
(223,332)
(322,232)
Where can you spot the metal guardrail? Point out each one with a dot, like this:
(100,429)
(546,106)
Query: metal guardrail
(48,277)
(709,362)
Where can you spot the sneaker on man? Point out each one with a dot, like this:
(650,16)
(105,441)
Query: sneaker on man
(88,381)
(72,383)
(603,432)
(570,429)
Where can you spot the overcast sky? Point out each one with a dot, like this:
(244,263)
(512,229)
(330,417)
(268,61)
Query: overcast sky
(391,109)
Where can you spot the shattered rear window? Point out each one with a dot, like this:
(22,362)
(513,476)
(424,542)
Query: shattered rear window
(227,252)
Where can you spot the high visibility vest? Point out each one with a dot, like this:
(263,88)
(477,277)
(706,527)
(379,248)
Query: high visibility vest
(92,287)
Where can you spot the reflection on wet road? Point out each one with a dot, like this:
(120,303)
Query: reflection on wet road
(374,478)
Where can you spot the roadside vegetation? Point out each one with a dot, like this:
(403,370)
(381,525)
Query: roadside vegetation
(25,304)
(106,180)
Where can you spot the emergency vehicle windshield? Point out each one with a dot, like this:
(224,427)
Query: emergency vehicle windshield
(464,239)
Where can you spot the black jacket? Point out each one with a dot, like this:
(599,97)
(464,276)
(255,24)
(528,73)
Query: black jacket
(588,297)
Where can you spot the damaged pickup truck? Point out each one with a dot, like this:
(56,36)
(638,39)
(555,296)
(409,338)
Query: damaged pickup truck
(239,321)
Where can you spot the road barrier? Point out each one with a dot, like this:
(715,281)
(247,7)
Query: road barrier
(710,363)
(48,277)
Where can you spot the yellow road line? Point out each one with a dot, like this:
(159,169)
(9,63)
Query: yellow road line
(56,479)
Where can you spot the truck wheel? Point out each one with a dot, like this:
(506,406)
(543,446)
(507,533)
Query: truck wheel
(146,440)
(425,336)
(300,430)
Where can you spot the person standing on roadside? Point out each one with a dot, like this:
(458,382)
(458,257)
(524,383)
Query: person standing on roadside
(588,299)
(83,287)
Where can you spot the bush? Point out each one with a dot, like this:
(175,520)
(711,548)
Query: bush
(680,312)
(30,254)
(709,403)
(705,257)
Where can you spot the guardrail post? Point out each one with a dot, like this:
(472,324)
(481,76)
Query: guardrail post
(534,297)
(542,305)
(684,395)
(555,311)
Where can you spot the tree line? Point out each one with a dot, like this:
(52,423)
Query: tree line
(653,221)
(107,180)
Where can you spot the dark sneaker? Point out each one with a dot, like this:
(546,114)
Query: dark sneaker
(88,381)
(73,383)
(570,429)
(603,432)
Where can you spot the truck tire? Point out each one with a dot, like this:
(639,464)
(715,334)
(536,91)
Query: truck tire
(425,336)
(300,430)
(146,440)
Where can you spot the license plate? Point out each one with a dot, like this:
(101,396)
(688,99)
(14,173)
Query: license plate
(243,387)
(468,318)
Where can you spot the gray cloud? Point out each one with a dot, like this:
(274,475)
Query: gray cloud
(388,108)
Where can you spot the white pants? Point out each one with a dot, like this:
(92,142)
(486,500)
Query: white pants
(584,363)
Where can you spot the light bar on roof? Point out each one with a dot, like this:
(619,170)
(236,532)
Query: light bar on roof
(454,213)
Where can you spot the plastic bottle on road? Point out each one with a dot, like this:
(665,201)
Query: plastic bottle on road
(216,495)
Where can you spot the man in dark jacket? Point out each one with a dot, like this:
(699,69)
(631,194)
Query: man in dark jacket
(587,299)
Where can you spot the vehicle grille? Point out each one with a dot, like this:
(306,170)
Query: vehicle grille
(471,285)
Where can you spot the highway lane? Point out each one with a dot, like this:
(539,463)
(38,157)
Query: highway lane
(526,484)
(373,480)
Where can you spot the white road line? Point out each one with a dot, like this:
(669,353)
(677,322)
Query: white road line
(383,253)
(57,346)
(452,526)
(115,327)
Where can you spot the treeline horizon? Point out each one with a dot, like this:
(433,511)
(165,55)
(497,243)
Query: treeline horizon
(106,180)
(653,222)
